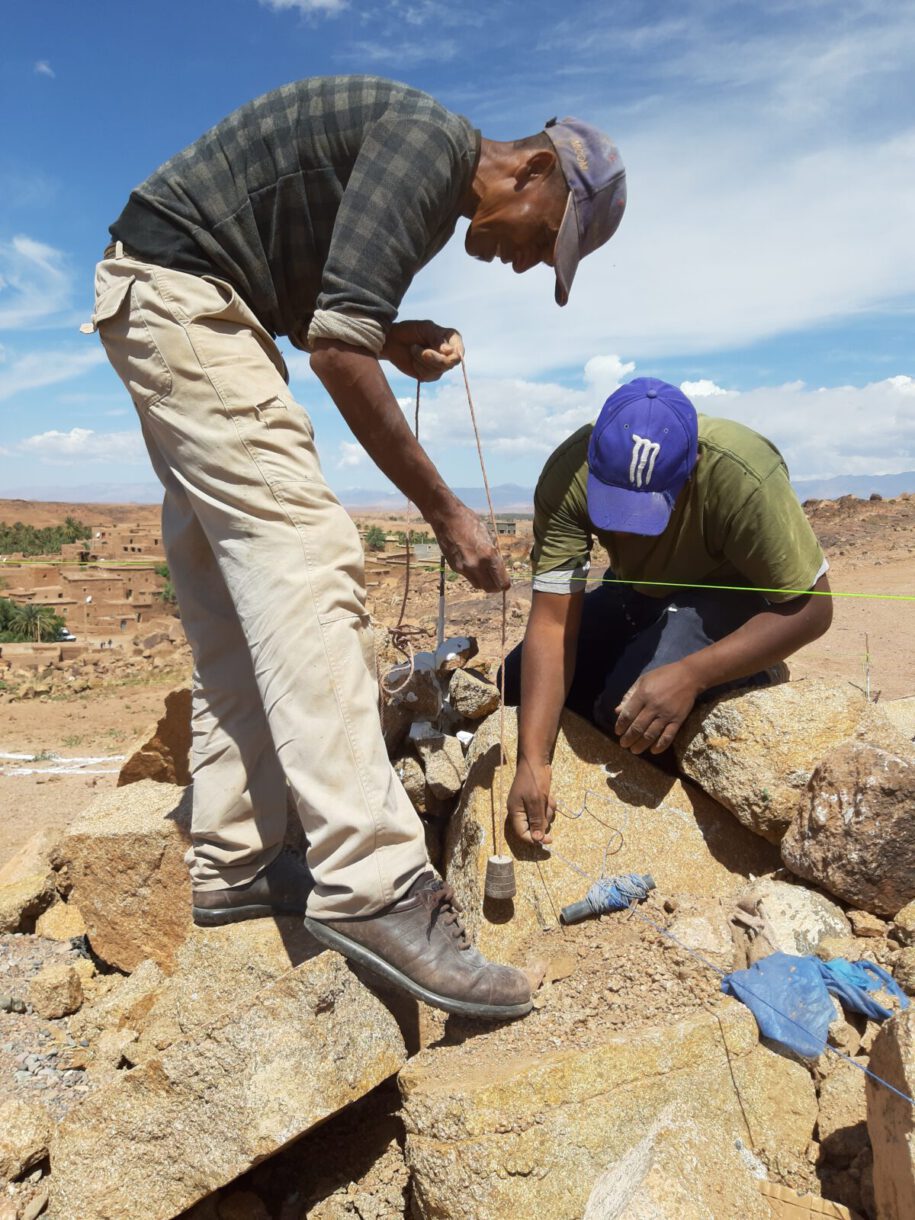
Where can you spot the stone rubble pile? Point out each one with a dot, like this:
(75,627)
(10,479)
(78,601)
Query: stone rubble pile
(203,1069)
(432,705)
(74,670)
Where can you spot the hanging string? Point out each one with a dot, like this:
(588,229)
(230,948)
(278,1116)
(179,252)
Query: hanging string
(402,635)
(500,802)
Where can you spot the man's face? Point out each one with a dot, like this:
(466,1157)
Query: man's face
(517,222)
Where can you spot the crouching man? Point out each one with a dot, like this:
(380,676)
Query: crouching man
(682,504)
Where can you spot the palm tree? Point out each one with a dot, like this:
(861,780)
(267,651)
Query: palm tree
(30,622)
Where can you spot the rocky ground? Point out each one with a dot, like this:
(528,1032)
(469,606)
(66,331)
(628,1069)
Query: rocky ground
(111,1040)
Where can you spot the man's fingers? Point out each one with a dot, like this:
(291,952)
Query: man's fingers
(666,738)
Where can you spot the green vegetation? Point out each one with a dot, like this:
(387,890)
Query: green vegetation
(375,538)
(28,623)
(416,536)
(30,540)
(167,593)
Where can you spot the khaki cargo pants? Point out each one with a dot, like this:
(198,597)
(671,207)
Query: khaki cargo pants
(268,570)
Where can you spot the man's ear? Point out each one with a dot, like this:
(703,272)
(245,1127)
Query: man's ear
(538,164)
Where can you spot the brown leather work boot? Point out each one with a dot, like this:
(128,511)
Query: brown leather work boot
(420,945)
(282,888)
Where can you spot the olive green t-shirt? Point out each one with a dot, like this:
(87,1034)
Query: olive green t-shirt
(736,522)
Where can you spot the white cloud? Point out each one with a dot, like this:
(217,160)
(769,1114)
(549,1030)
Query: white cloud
(81,445)
(35,284)
(828,431)
(43,68)
(703,388)
(402,54)
(821,432)
(604,374)
(328,8)
(351,454)
(37,369)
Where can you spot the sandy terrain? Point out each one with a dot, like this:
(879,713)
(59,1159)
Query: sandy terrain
(871,547)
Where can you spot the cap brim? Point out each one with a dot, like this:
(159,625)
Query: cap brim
(621,511)
(566,253)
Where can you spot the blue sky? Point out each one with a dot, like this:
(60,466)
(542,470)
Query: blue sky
(766,258)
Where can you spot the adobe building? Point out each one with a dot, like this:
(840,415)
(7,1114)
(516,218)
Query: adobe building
(103,585)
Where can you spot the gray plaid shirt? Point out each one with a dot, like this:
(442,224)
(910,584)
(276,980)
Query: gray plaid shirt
(323,197)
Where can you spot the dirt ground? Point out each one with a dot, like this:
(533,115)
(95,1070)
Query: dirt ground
(870,546)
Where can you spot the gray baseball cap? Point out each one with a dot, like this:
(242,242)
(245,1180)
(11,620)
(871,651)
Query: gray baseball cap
(596,179)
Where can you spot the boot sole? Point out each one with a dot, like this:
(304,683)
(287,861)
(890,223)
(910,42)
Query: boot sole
(371,961)
(214,917)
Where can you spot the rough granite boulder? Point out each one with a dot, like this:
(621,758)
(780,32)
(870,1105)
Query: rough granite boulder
(25,1128)
(124,856)
(890,1121)
(472,696)
(904,924)
(799,918)
(22,901)
(33,857)
(504,1136)
(650,822)
(124,859)
(754,751)
(902,714)
(855,833)
(442,758)
(842,1119)
(61,921)
(250,1071)
(163,753)
(904,969)
(56,991)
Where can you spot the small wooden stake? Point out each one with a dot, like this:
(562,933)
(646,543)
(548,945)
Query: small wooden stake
(500,877)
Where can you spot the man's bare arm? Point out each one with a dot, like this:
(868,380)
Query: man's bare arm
(547,669)
(355,380)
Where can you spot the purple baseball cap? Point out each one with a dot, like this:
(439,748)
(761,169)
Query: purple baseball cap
(641,453)
(596,179)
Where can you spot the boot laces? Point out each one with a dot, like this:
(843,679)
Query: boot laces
(442,905)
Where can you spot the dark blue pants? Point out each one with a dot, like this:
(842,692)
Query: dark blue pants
(625,634)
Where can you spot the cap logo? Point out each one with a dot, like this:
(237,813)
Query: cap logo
(581,155)
(644,455)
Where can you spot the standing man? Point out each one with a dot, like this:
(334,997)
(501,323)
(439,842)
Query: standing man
(307,213)
(676,500)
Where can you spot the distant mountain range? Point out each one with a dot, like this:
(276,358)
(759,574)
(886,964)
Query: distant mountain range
(861,485)
(507,497)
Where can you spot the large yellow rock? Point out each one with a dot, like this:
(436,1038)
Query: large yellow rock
(33,857)
(22,901)
(890,1123)
(124,856)
(56,991)
(62,921)
(500,1135)
(25,1128)
(163,753)
(668,829)
(753,751)
(254,1068)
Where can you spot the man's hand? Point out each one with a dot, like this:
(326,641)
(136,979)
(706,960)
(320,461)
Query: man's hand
(531,809)
(652,710)
(469,550)
(422,349)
